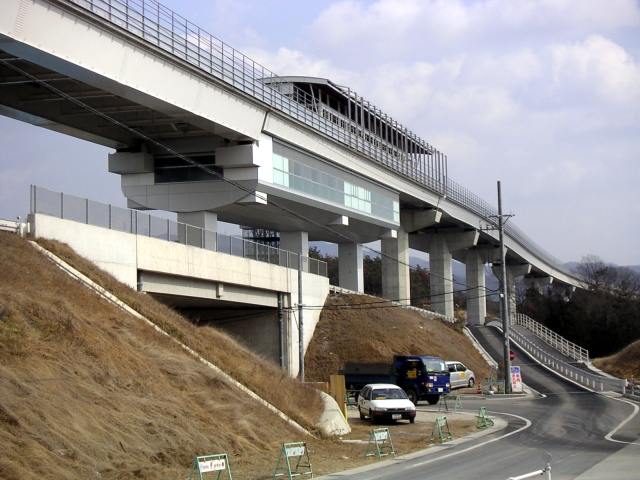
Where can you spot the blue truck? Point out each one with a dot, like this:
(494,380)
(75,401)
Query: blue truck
(421,377)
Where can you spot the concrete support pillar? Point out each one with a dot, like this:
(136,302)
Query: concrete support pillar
(476,288)
(208,221)
(296,242)
(351,275)
(564,290)
(395,267)
(441,277)
(513,272)
(441,246)
(537,283)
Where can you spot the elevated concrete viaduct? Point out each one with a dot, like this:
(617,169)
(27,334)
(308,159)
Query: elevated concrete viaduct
(201,130)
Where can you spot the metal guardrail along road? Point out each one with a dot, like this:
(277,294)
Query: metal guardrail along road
(551,338)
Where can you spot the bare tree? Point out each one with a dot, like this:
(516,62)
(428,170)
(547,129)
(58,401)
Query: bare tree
(596,275)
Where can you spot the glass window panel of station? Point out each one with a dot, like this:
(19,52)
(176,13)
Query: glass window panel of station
(295,175)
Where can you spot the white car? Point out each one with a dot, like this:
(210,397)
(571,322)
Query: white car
(461,376)
(384,401)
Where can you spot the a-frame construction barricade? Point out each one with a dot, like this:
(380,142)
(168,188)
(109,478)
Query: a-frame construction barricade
(380,443)
(483,419)
(210,464)
(441,430)
(293,461)
(443,401)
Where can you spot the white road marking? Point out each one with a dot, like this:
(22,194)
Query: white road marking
(527,422)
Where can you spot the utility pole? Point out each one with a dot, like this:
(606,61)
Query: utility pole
(300,322)
(503,298)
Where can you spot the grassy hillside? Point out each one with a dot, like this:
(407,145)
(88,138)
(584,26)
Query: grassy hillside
(623,364)
(354,328)
(91,392)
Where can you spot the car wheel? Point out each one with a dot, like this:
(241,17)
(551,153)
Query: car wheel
(433,399)
(361,414)
(412,420)
(413,396)
(472,382)
(373,420)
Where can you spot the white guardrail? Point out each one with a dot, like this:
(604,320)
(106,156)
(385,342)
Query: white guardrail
(589,380)
(551,338)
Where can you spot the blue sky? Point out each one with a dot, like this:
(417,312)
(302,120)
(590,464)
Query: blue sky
(543,95)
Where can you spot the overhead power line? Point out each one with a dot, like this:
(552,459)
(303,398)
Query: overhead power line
(8,63)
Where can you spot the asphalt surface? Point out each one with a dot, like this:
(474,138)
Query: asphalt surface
(591,436)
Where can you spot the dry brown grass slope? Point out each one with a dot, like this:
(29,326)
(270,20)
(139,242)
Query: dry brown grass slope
(354,328)
(91,392)
(623,364)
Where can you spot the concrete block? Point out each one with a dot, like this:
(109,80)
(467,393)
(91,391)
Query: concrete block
(130,162)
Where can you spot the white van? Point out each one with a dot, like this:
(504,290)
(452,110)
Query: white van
(461,376)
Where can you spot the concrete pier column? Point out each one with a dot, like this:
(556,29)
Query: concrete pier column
(208,221)
(513,272)
(537,283)
(395,267)
(441,246)
(476,288)
(296,242)
(564,291)
(475,260)
(441,277)
(351,275)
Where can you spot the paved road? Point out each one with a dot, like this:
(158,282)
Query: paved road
(589,435)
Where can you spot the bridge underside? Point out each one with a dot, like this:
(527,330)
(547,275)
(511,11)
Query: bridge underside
(280,174)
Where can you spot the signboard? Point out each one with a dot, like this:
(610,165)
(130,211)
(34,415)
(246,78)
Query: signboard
(516,380)
(512,355)
(381,434)
(293,468)
(295,451)
(212,465)
(380,443)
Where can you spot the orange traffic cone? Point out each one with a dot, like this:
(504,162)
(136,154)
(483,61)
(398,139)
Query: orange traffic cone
(479,387)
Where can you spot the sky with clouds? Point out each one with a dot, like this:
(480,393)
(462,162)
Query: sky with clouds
(541,95)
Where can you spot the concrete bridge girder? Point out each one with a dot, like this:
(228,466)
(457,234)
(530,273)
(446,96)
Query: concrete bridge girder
(415,220)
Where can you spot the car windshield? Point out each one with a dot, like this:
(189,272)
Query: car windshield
(388,394)
(436,366)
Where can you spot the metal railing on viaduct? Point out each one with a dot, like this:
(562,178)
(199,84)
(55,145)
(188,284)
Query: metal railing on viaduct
(89,212)
(422,164)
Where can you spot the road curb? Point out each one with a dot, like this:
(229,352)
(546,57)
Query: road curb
(498,424)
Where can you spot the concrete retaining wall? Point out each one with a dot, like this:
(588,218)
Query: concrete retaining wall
(173,268)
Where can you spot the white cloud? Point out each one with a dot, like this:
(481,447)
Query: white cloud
(364,32)
(599,68)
